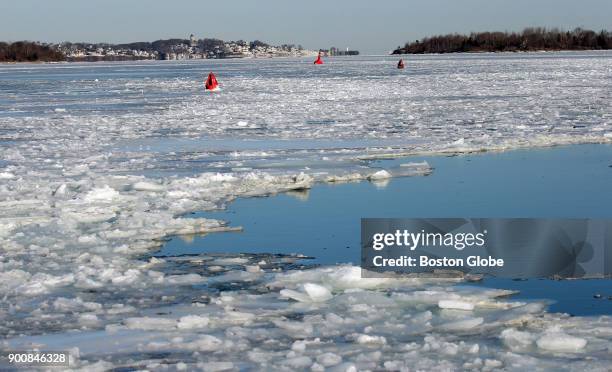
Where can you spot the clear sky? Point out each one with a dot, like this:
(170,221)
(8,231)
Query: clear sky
(370,26)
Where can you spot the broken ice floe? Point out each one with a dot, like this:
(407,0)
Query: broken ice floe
(330,316)
(81,214)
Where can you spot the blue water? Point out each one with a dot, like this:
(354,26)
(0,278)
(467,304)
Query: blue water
(324,223)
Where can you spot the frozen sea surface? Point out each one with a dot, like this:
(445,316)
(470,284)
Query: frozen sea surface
(99,162)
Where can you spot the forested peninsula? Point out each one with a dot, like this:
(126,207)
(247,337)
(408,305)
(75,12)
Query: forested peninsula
(530,39)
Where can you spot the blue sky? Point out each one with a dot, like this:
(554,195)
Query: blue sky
(368,25)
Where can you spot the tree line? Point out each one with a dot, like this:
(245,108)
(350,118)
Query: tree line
(26,51)
(530,39)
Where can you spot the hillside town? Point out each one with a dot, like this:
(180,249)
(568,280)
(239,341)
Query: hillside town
(179,49)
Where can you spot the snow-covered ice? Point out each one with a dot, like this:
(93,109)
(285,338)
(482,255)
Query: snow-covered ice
(458,305)
(253,325)
(101,163)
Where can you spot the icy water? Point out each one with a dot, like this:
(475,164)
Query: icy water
(101,163)
(323,223)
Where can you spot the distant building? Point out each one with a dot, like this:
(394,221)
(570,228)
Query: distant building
(179,49)
(333,51)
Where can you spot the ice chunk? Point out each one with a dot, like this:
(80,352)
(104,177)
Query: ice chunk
(371,340)
(99,366)
(516,340)
(129,277)
(329,359)
(11,279)
(344,178)
(89,320)
(206,343)
(105,193)
(148,186)
(317,293)
(461,325)
(423,164)
(380,175)
(298,362)
(185,279)
(456,305)
(344,367)
(492,363)
(295,295)
(150,324)
(560,342)
(253,269)
(193,322)
(316,367)
(217,366)
(67,305)
(299,346)
(299,329)
(347,277)
(238,317)
(44,283)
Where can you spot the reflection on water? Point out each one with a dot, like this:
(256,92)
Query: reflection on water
(301,195)
(381,184)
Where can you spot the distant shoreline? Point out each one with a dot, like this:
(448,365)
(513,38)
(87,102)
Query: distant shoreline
(529,40)
(170,49)
(543,51)
(501,52)
(145,60)
(305,57)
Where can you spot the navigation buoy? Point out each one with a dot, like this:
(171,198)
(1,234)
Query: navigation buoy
(400,64)
(211,83)
(319,61)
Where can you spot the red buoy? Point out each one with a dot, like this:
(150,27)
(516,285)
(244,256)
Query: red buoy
(319,61)
(211,82)
(401,65)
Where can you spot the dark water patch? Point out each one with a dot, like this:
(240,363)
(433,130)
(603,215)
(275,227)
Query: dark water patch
(575,297)
(560,182)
